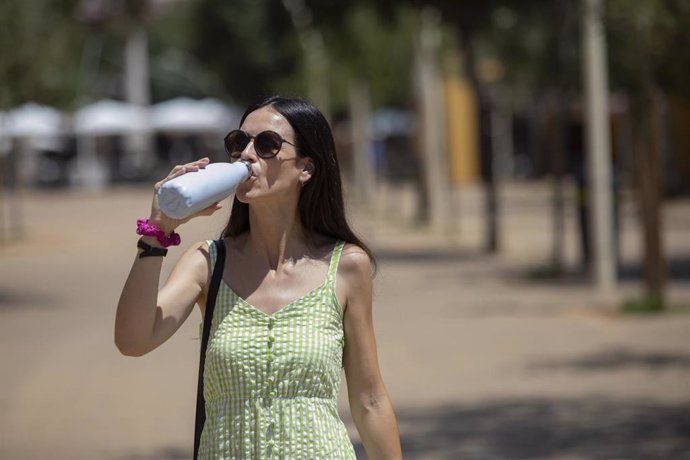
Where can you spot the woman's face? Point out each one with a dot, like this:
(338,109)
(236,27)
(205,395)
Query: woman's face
(277,176)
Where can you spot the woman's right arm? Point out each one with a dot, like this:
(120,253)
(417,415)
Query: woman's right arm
(146,316)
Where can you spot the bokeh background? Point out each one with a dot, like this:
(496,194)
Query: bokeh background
(521,168)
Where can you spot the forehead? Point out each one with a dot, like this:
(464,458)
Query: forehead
(264,119)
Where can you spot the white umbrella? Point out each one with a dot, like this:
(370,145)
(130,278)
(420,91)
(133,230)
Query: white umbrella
(104,118)
(34,121)
(42,127)
(108,117)
(195,116)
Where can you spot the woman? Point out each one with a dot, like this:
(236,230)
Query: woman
(294,306)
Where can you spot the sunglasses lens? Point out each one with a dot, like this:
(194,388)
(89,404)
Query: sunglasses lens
(235,143)
(267,144)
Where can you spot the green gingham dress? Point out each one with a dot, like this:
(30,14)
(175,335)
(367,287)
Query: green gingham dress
(271,381)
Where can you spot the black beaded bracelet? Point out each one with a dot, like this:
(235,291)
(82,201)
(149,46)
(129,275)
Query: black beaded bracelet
(149,251)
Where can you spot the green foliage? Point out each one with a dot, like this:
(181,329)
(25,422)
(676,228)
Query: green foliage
(248,44)
(643,305)
(243,49)
(376,49)
(536,41)
(41,52)
(651,36)
(174,70)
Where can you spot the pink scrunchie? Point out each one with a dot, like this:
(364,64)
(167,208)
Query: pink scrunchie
(146,229)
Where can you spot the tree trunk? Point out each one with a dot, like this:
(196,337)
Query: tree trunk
(432,123)
(491,205)
(648,173)
(558,196)
(648,162)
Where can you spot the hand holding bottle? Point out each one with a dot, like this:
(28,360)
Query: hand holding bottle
(187,194)
(168,223)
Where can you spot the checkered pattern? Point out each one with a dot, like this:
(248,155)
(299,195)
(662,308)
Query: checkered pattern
(271,381)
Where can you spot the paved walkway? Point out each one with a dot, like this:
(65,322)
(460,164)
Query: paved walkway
(482,361)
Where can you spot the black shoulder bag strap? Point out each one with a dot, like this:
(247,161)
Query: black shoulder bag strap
(208,316)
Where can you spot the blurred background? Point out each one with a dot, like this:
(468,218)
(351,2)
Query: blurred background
(522,169)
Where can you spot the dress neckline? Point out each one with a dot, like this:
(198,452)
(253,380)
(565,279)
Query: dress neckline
(292,303)
(330,274)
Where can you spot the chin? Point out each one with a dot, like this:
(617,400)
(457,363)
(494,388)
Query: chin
(248,196)
(243,198)
(244,193)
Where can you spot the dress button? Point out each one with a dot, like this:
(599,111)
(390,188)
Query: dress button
(271,321)
(272,393)
(271,379)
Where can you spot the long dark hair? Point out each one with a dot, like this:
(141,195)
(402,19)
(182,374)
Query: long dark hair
(321,206)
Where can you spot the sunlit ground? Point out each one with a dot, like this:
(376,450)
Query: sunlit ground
(483,359)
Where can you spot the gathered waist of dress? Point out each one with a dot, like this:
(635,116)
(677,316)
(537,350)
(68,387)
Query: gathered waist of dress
(235,398)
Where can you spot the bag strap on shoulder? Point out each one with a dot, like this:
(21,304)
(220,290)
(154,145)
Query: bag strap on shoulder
(208,317)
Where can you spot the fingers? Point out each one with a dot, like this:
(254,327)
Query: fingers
(183,169)
(205,212)
(193,166)
(210,210)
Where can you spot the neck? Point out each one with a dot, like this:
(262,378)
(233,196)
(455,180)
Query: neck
(276,233)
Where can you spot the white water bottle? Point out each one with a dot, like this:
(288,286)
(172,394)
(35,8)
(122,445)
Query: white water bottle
(197,190)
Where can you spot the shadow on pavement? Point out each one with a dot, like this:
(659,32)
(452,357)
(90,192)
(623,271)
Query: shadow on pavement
(542,429)
(619,359)
(678,269)
(427,255)
(15,299)
(163,454)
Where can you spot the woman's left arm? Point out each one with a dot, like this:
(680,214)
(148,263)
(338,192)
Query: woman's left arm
(371,408)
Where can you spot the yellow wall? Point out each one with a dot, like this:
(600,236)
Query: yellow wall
(463,131)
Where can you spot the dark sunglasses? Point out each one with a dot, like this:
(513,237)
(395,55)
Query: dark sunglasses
(267,144)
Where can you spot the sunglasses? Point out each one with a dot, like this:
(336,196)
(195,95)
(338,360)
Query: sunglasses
(267,144)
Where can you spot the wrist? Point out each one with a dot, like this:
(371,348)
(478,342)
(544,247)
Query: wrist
(152,241)
(150,229)
(162,223)
(149,250)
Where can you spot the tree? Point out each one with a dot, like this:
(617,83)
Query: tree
(251,45)
(650,65)
(40,52)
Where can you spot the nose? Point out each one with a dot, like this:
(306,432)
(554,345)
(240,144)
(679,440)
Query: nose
(249,153)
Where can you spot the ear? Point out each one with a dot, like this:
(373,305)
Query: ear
(307,170)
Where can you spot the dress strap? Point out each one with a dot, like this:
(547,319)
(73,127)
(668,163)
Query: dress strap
(335,259)
(212,252)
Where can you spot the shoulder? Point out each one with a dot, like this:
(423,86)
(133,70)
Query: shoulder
(355,281)
(197,260)
(354,261)
(355,274)
(198,251)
